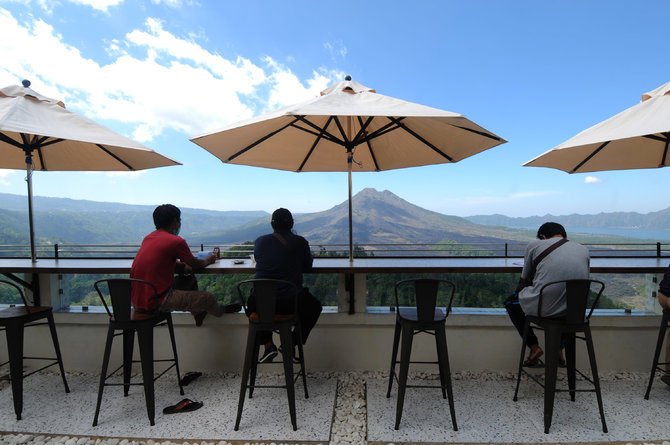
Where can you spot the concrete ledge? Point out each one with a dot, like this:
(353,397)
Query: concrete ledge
(477,340)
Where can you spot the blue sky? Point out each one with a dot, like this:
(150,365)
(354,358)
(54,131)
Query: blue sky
(161,71)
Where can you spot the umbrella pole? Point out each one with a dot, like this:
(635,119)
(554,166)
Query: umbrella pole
(351,232)
(29,180)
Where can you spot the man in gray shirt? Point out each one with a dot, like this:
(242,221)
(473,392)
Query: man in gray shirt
(568,261)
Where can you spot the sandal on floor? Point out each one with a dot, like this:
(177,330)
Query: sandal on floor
(533,363)
(189,377)
(184,406)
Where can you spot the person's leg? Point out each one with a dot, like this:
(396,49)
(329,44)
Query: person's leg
(664,301)
(309,309)
(199,303)
(518,318)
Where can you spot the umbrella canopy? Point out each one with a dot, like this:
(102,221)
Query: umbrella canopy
(635,138)
(349,127)
(38,133)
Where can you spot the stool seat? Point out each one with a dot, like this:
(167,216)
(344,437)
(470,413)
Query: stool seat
(24,311)
(127,321)
(424,317)
(254,318)
(13,320)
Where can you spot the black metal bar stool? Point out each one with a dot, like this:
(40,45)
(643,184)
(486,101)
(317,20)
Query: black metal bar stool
(124,318)
(423,317)
(13,320)
(266,318)
(555,329)
(655,366)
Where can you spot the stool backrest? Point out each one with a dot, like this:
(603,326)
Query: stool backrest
(577,294)
(23,297)
(120,291)
(424,295)
(266,291)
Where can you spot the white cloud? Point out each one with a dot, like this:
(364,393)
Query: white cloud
(4,175)
(170,3)
(592,180)
(155,80)
(336,49)
(134,174)
(100,5)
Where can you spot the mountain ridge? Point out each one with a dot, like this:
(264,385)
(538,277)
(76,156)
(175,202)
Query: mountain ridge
(379,218)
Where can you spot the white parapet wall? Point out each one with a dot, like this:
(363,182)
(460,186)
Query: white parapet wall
(477,341)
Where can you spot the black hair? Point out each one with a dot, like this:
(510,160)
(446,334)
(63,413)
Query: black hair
(165,214)
(281,219)
(550,229)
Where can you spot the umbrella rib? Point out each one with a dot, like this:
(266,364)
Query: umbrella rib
(654,137)
(665,150)
(481,133)
(595,152)
(344,136)
(410,131)
(115,157)
(391,126)
(367,139)
(326,134)
(10,141)
(264,138)
(316,142)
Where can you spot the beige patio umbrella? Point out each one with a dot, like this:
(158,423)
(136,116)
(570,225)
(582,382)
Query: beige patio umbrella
(635,138)
(38,133)
(349,127)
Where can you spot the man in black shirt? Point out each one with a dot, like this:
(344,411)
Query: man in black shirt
(284,255)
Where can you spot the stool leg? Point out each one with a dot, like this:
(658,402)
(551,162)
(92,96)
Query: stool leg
(286,341)
(249,358)
(254,367)
(301,355)
(570,361)
(15,354)
(553,345)
(103,372)
(128,345)
(594,372)
(407,335)
(657,352)
(445,371)
(145,337)
(54,338)
(526,327)
(168,319)
(394,356)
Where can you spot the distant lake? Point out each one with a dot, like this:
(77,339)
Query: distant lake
(645,234)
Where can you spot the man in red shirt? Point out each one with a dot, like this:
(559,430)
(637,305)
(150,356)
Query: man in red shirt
(162,254)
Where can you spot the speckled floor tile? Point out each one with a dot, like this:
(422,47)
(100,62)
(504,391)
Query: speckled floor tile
(48,409)
(485,412)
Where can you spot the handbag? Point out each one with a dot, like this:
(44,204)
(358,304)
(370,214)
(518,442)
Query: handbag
(185,282)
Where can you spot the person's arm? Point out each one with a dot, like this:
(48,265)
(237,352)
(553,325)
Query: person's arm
(527,265)
(186,257)
(196,264)
(307,265)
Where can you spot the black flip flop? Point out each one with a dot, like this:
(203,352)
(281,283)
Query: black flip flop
(185,406)
(189,377)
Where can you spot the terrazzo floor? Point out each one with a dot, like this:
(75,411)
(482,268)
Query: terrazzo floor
(341,408)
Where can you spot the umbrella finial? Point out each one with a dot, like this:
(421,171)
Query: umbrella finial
(25,83)
(347,77)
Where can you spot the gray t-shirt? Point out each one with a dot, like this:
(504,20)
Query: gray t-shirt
(567,262)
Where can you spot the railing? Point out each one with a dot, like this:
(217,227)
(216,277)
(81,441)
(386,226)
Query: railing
(427,250)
